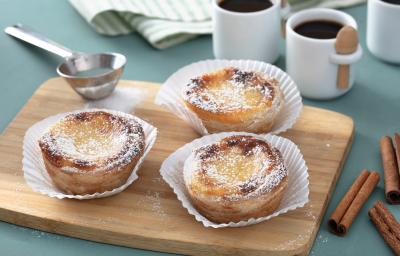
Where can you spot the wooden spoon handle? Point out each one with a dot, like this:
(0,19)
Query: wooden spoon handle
(343,76)
(346,43)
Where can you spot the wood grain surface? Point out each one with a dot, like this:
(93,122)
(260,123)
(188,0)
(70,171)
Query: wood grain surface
(148,215)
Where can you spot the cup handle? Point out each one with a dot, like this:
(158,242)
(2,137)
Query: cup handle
(346,59)
(284,11)
(285,8)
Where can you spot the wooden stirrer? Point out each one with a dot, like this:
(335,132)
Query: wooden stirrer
(346,43)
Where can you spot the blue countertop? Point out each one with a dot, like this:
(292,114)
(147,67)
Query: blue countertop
(372,103)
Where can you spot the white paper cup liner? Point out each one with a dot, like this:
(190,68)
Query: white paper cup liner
(296,194)
(171,91)
(35,173)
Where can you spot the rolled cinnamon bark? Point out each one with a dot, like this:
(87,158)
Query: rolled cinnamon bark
(387,225)
(344,204)
(388,217)
(348,208)
(391,173)
(396,145)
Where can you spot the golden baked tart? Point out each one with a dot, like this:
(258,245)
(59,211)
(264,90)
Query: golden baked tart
(92,151)
(234,100)
(236,178)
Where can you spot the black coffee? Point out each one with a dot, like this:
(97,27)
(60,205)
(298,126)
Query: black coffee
(319,29)
(392,1)
(245,5)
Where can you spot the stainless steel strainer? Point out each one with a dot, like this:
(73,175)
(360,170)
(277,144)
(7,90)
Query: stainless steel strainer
(92,86)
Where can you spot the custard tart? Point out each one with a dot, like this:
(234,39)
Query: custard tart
(237,178)
(92,151)
(231,99)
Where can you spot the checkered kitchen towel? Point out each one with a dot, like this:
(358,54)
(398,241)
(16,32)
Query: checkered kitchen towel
(164,23)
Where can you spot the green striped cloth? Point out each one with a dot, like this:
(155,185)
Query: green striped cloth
(164,23)
(297,5)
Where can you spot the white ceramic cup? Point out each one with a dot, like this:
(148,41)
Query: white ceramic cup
(247,35)
(383,30)
(313,63)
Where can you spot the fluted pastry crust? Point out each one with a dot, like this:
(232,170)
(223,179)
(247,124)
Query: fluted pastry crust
(234,100)
(237,178)
(92,151)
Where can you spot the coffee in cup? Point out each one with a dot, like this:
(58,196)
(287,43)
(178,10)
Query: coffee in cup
(392,1)
(319,29)
(245,5)
(247,29)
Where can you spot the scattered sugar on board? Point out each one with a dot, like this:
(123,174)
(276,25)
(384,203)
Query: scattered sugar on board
(233,95)
(298,240)
(152,201)
(122,99)
(310,211)
(302,238)
(153,198)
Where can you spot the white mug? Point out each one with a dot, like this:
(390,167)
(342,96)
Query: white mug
(313,63)
(247,35)
(383,30)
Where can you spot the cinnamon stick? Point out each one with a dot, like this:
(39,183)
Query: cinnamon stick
(387,225)
(391,173)
(388,217)
(344,204)
(396,145)
(349,207)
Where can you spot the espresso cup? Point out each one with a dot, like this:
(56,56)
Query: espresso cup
(247,35)
(383,30)
(313,63)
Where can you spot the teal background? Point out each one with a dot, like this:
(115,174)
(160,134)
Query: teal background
(372,103)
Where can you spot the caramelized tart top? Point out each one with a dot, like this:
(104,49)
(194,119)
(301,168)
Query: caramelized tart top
(234,168)
(230,90)
(93,141)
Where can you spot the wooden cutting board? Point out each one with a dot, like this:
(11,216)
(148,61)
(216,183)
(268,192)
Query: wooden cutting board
(147,214)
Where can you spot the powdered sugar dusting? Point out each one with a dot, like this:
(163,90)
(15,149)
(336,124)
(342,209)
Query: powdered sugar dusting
(297,240)
(100,140)
(247,168)
(122,99)
(230,89)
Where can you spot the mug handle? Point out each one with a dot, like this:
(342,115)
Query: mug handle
(346,59)
(284,11)
(285,8)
